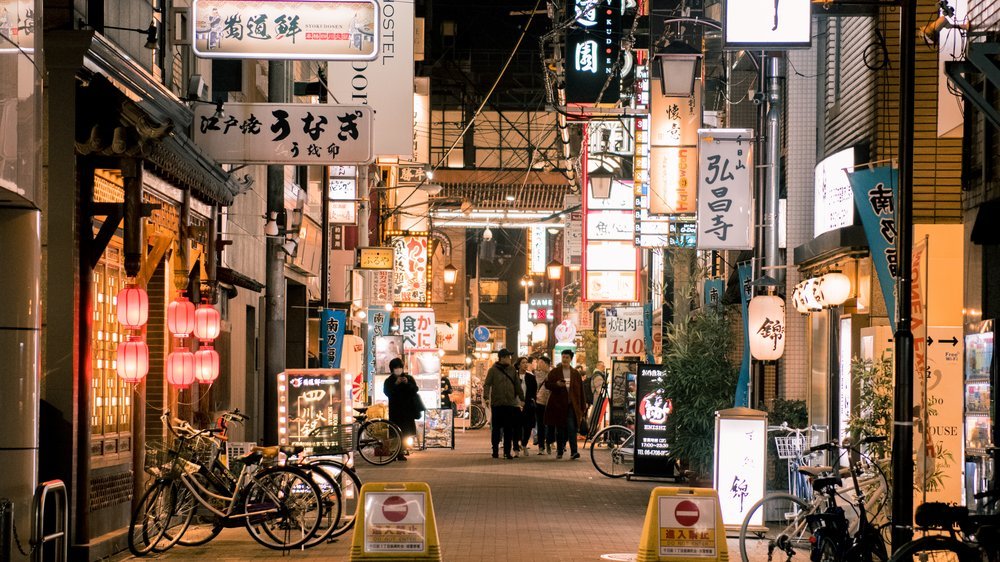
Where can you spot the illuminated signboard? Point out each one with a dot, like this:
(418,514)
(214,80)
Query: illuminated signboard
(611,260)
(740,463)
(417,327)
(833,206)
(593,45)
(537,249)
(410,267)
(725,188)
(306,30)
(540,308)
(375,258)
(767,24)
(343,191)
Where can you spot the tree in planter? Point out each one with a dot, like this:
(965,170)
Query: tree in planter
(700,381)
(873,416)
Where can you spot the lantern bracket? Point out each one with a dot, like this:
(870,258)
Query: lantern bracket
(113,214)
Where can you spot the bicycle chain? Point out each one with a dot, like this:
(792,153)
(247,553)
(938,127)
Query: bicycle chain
(7,506)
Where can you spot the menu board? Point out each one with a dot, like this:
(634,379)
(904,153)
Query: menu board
(460,391)
(652,452)
(311,399)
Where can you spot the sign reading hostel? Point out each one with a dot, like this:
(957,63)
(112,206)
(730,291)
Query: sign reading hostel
(305,30)
(285,133)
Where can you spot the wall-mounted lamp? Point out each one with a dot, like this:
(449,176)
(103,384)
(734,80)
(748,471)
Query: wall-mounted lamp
(271,226)
(679,64)
(450,274)
(290,247)
(554,270)
(600,183)
(219,106)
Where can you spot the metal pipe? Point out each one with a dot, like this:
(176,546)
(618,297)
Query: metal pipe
(776,74)
(902,434)
(212,257)
(274,301)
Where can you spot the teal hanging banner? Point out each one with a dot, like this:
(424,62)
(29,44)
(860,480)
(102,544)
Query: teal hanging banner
(714,288)
(378,326)
(331,338)
(745,270)
(875,194)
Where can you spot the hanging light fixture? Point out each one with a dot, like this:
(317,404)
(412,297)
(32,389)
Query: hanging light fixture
(133,307)
(206,365)
(487,234)
(180,317)
(812,297)
(207,322)
(180,368)
(798,302)
(132,362)
(679,64)
(450,274)
(766,327)
(836,288)
(600,182)
(554,270)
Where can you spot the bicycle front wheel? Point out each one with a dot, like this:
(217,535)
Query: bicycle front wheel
(775,529)
(284,507)
(477,416)
(151,518)
(350,491)
(610,453)
(332,504)
(936,548)
(380,441)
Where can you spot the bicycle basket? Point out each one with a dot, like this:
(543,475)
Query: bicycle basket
(163,462)
(790,446)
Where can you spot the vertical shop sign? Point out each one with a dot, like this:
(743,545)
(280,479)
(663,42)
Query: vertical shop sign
(746,291)
(378,326)
(725,189)
(673,156)
(875,195)
(714,289)
(537,250)
(611,261)
(625,331)
(652,406)
(918,325)
(944,462)
(331,338)
(379,282)
(416,325)
(740,463)
(410,268)
(573,232)
(593,44)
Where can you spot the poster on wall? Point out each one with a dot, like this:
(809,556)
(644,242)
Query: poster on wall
(652,406)
(311,398)
(425,368)
(460,391)
(410,268)
(944,461)
(17,25)
(387,348)
(725,189)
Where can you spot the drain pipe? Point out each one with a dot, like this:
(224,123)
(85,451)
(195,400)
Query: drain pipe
(775,76)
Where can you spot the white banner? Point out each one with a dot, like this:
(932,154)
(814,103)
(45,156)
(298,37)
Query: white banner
(573,232)
(767,23)
(416,325)
(725,189)
(285,133)
(305,30)
(945,444)
(384,84)
(625,333)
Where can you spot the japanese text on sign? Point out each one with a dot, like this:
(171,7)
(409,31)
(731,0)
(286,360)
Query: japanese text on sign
(274,133)
(724,189)
(418,330)
(625,331)
(410,269)
(395,522)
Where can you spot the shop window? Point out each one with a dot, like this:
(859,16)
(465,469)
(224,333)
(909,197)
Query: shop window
(111,398)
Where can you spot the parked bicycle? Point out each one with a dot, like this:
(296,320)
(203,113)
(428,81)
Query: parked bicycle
(378,441)
(280,506)
(613,451)
(822,530)
(477,416)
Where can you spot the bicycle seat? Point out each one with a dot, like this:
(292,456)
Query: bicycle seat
(820,485)
(820,471)
(291,450)
(268,452)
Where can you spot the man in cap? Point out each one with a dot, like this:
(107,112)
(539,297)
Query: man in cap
(503,393)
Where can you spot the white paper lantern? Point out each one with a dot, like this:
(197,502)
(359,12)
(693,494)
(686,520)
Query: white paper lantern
(767,327)
(798,301)
(812,296)
(836,288)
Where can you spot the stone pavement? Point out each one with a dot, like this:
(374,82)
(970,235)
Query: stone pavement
(526,509)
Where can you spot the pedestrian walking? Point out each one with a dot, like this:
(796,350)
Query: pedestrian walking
(566,407)
(446,391)
(404,403)
(530,386)
(545,434)
(502,392)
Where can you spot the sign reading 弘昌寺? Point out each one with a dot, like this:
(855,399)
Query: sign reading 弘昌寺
(375,258)
(284,133)
(304,30)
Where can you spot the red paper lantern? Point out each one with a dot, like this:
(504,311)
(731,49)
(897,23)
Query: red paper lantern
(133,307)
(180,317)
(207,322)
(206,365)
(133,359)
(180,368)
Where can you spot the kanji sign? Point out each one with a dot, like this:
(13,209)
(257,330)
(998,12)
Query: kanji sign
(375,258)
(331,338)
(304,30)
(395,522)
(285,133)
(378,326)
(592,50)
(410,262)
(725,189)
(416,325)
(687,527)
(875,193)
(625,331)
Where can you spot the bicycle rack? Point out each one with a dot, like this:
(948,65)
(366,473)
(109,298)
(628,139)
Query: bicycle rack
(38,537)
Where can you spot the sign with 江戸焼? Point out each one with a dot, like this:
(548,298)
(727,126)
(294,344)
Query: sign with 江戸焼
(284,133)
(303,30)
(593,44)
(767,24)
(725,189)
(375,257)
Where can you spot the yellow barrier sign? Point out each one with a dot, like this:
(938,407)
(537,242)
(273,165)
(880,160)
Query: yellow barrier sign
(683,524)
(395,521)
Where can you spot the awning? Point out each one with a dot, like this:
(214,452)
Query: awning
(494,189)
(841,242)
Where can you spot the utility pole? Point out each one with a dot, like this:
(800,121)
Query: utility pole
(902,432)
(274,300)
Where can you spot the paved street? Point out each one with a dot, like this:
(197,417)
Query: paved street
(525,509)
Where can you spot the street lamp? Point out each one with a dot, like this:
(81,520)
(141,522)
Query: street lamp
(600,183)
(680,64)
(554,270)
(527,282)
(450,274)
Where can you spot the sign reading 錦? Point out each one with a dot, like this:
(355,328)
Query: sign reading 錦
(331,338)
(593,45)
(725,189)
(416,325)
(767,24)
(740,463)
(625,331)
(395,522)
(652,452)
(285,133)
(375,258)
(304,30)
(540,308)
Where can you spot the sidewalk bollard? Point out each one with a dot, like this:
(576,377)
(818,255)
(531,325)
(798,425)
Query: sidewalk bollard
(395,522)
(683,524)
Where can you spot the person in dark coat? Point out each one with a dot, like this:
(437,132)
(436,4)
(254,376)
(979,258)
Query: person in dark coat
(530,386)
(401,390)
(566,404)
(503,393)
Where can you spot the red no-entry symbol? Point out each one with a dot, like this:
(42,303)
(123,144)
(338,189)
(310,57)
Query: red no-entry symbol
(687,513)
(394,509)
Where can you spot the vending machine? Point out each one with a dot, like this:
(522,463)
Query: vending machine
(980,408)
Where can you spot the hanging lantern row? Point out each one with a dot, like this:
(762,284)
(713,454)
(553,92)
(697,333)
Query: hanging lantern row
(133,307)
(206,365)
(207,322)
(132,355)
(816,293)
(132,361)
(180,367)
